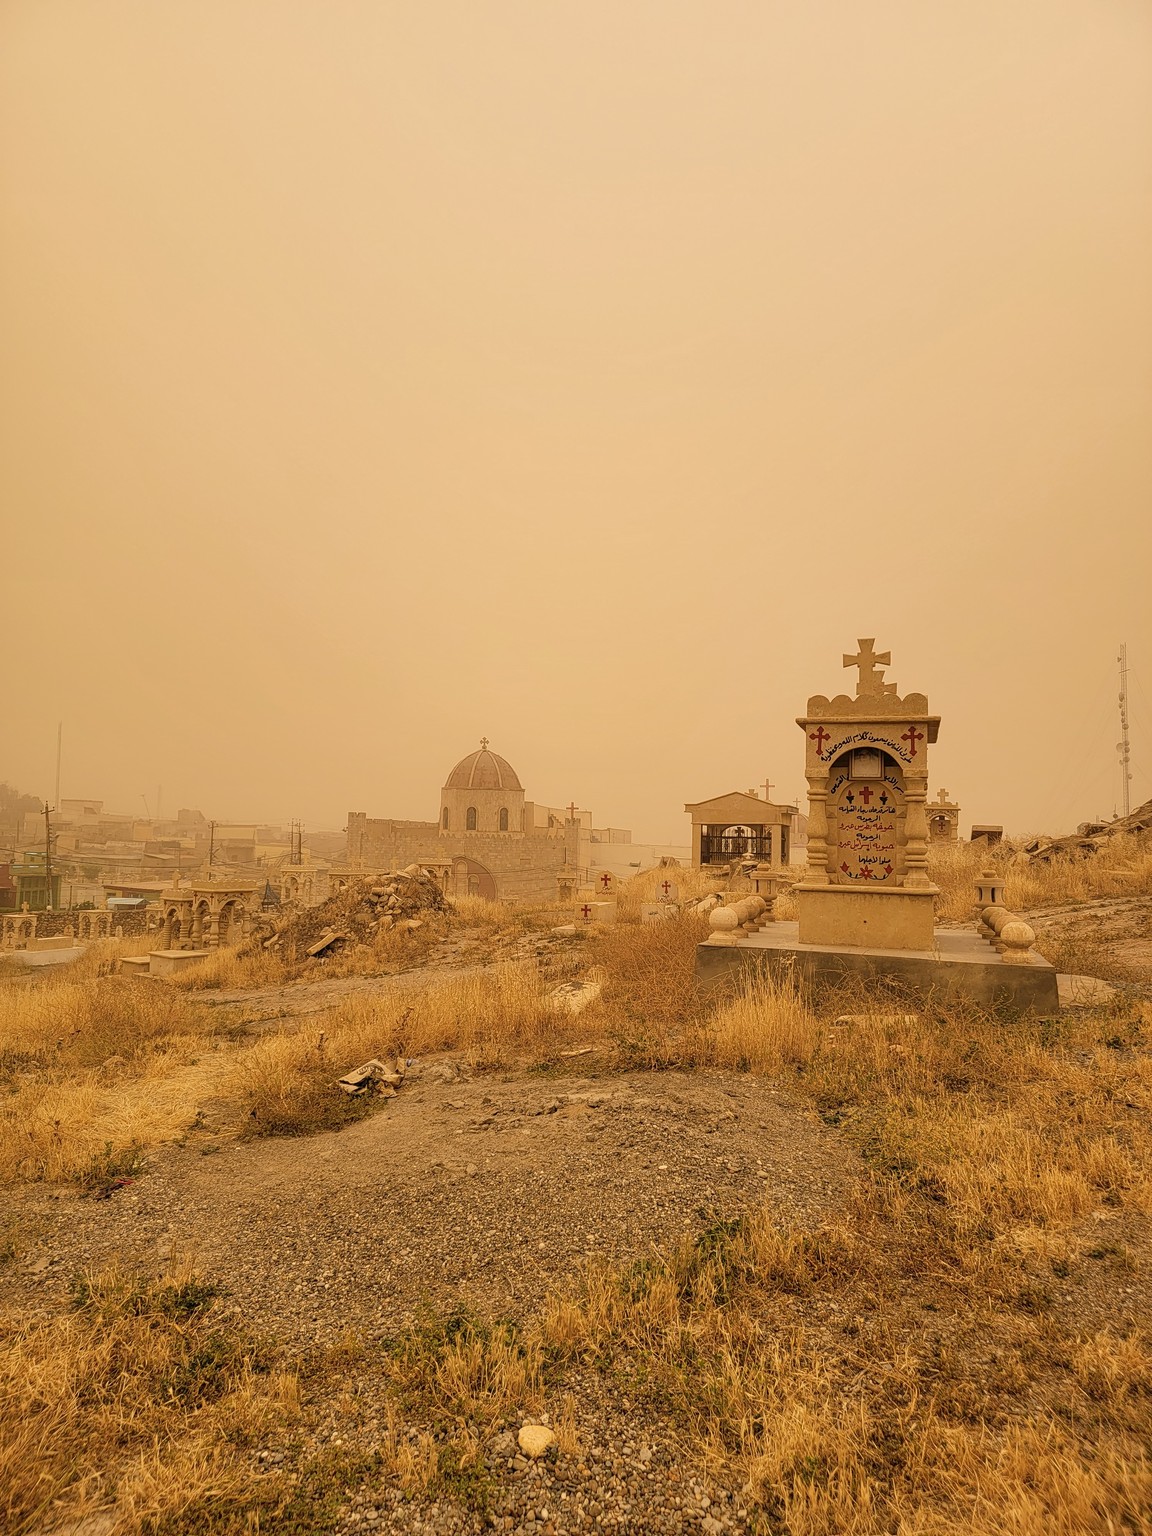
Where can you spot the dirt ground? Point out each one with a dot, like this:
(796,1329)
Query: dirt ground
(482,1193)
(479,1192)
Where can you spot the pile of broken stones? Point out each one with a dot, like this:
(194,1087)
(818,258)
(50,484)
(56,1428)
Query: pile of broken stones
(355,915)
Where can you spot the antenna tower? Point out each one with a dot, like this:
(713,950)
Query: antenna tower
(1123,746)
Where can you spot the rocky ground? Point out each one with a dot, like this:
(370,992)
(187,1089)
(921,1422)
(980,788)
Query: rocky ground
(480,1193)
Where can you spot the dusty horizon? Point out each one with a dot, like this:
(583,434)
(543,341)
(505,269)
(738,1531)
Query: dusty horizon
(381,377)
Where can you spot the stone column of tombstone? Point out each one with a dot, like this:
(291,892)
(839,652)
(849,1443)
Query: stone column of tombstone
(866,885)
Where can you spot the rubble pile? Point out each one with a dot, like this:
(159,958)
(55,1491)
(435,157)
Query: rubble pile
(403,900)
(1090,837)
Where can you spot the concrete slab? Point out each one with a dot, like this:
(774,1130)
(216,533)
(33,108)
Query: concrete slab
(960,963)
(1084,991)
(135,965)
(166,962)
(37,957)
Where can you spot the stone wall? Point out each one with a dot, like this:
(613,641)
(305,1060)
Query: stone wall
(523,867)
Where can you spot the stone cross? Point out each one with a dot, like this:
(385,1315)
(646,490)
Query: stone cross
(768,788)
(483,743)
(572,811)
(942,797)
(871,663)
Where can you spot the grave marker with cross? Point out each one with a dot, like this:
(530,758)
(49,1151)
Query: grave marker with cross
(871,662)
(867,769)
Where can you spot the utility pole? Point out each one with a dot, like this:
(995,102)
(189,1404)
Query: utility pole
(1123,746)
(211,845)
(59,744)
(48,855)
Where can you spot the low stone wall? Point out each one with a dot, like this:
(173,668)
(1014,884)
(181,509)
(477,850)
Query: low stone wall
(132,921)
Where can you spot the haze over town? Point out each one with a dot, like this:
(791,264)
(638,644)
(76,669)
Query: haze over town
(587,378)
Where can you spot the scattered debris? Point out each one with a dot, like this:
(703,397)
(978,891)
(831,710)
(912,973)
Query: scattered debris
(1090,837)
(878,1020)
(574,996)
(374,1075)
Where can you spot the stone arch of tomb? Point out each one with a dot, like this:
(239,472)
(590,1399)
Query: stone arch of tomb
(232,921)
(471,878)
(866,819)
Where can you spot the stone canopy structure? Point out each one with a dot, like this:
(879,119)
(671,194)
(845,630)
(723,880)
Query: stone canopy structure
(866,763)
(739,826)
(496,842)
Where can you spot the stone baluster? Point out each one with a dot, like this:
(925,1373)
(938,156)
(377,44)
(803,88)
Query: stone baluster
(817,871)
(916,832)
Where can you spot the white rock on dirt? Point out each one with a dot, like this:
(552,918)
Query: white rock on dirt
(534,1440)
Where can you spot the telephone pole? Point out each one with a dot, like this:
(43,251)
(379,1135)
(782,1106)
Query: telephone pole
(1123,746)
(48,856)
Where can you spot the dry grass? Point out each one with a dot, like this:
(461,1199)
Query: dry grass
(640,889)
(227,970)
(1123,867)
(900,1368)
(91,1069)
(141,1402)
(284,1082)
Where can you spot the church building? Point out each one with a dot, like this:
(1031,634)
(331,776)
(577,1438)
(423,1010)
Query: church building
(489,839)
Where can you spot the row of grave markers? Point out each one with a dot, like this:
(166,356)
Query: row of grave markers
(598,905)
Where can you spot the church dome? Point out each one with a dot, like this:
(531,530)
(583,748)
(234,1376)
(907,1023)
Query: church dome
(483,770)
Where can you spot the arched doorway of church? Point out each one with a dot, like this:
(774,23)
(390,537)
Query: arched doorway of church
(470,878)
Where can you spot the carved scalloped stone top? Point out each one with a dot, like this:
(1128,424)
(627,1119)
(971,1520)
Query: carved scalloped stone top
(885,706)
(875,699)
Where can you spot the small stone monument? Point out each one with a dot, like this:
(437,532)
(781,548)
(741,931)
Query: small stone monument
(867,769)
(943,819)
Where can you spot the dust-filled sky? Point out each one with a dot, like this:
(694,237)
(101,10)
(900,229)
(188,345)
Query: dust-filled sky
(589,376)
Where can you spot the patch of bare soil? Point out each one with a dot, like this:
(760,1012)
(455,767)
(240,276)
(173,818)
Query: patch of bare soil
(463,1194)
(480,1193)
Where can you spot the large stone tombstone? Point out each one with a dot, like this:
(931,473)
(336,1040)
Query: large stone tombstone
(866,885)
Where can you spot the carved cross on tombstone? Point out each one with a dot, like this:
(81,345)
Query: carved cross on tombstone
(871,663)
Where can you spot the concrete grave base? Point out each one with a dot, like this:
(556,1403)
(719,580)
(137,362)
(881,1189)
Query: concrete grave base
(959,964)
(837,916)
(166,962)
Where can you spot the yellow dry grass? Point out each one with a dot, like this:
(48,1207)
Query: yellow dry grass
(897,1368)
(139,1404)
(284,1081)
(90,1065)
(1122,867)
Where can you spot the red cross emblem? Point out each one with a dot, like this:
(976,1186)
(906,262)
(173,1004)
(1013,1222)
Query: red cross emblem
(819,736)
(605,879)
(586,911)
(866,795)
(912,736)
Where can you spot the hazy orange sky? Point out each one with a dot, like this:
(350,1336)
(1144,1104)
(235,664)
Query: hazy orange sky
(588,376)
